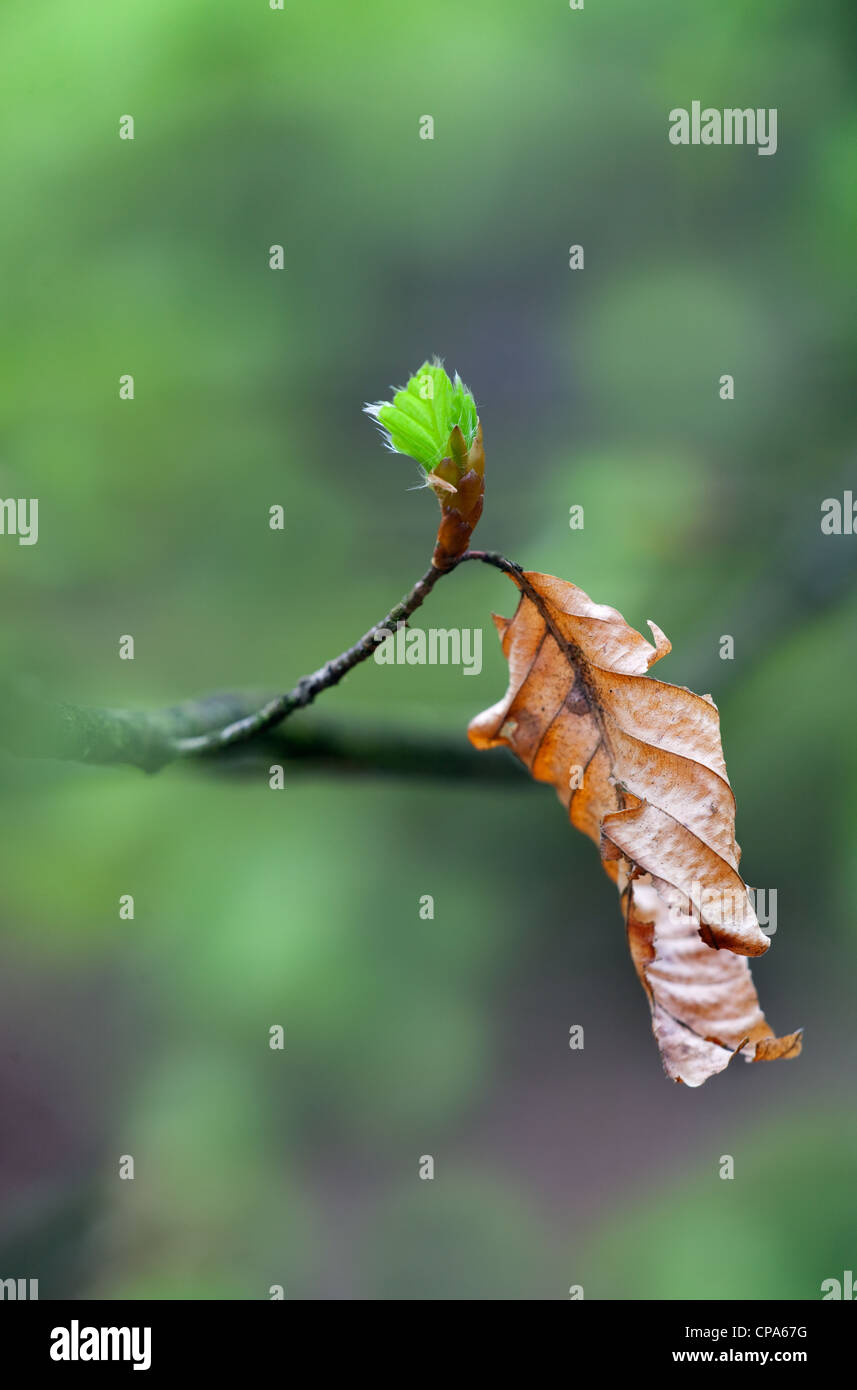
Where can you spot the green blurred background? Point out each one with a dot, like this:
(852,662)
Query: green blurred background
(600,387)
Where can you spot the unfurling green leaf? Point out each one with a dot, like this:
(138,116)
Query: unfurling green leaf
(421,418)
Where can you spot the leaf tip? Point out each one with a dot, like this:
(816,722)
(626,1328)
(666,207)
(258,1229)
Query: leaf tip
(663,645)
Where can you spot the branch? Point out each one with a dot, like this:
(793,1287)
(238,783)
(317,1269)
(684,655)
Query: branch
(239,732)
(372,750)
(33,727)
(247,726)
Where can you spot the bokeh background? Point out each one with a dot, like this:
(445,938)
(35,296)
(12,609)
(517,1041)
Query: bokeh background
(407,1037)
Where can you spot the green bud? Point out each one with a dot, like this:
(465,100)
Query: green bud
(422,416)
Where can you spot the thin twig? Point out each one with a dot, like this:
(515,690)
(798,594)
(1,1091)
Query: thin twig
(33,727)
(330,674)
(492,557)
(308,687)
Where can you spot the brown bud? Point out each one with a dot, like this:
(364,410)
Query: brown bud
(461,510)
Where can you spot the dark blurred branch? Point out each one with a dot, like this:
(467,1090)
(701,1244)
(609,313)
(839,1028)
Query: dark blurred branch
(314,746)
(219,723)
(245,734)
(33,727)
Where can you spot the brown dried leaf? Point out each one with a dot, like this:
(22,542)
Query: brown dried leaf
(639,766)
(704,1005)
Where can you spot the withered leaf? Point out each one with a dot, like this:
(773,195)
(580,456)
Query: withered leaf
(639,766)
